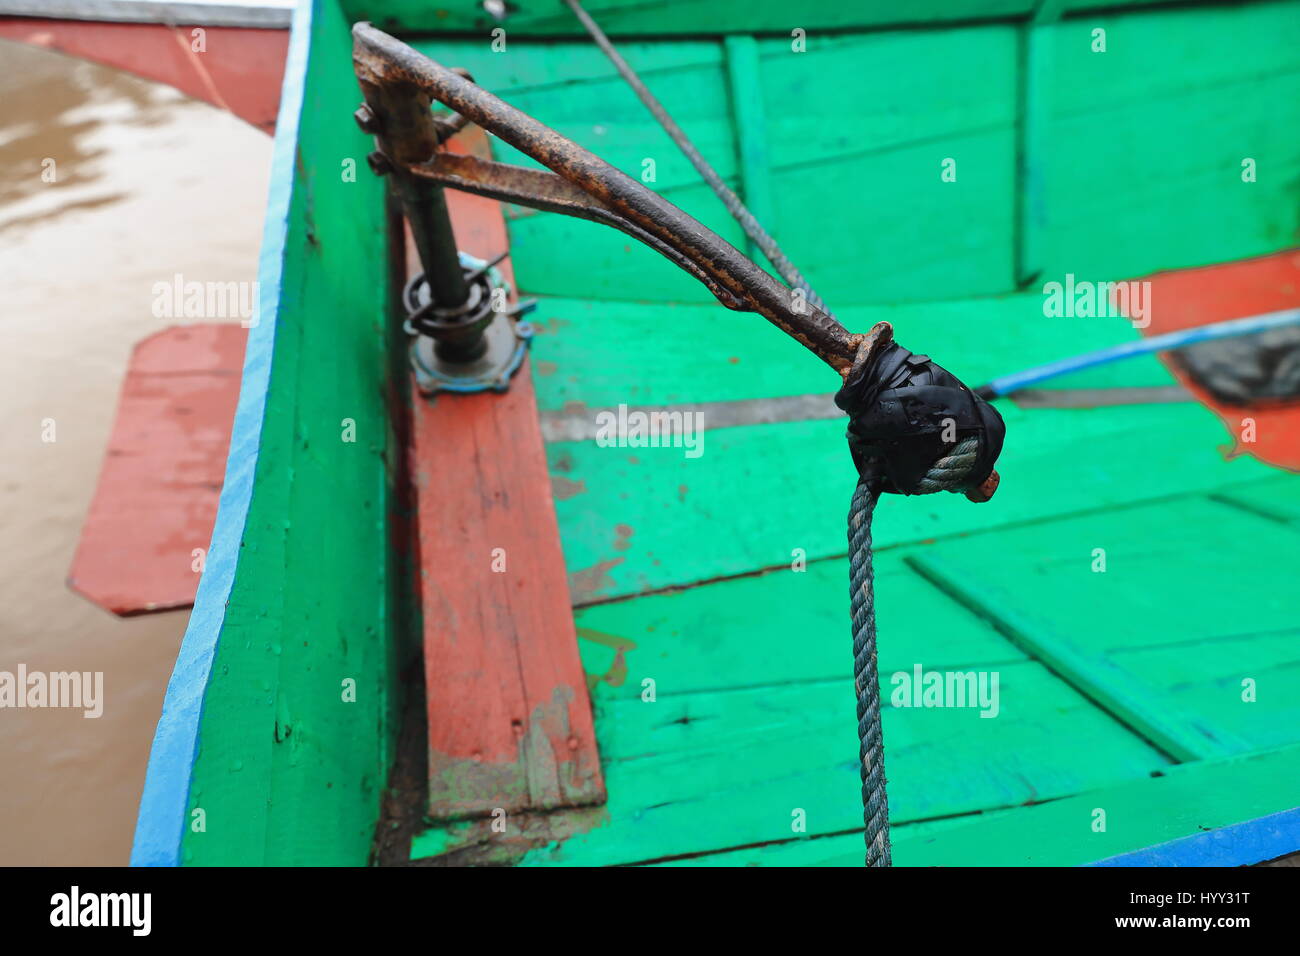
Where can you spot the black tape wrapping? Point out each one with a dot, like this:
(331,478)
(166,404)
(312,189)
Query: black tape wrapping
(899,404)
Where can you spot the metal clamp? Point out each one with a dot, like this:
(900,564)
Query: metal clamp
(474,349)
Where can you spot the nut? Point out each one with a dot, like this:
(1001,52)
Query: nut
(367,120)
(379,164)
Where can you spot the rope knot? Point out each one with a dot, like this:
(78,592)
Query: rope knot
(914,428)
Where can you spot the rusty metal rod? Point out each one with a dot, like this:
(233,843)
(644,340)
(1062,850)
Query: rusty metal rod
(383,62)
(435,241)
(539,189)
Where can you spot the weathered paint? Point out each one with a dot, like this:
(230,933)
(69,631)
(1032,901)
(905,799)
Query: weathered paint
(1235,798)
(740,491)
(1192,297)
(669,17)
(1230,812)
(1178,678)
(509,723)
(144,540)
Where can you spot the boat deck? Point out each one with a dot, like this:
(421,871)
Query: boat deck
(1145,713)
(1139,704)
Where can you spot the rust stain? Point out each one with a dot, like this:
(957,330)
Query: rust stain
(546,368)
(536,776)
(589,582)
(623,532)
(616,674)
(565,488)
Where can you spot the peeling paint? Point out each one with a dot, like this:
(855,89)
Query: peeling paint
(565,488)
(589,582)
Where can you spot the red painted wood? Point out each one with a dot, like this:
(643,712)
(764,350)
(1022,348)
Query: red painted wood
(510,722)
(1192,297)
(240,69)
(156,500)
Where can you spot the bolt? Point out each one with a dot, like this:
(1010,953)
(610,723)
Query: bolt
(367,120)
(379,164)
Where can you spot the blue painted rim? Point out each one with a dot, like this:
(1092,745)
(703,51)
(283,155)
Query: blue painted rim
(1238,844)
(164,804)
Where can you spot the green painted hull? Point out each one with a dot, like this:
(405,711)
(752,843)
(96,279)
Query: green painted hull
(1121,691)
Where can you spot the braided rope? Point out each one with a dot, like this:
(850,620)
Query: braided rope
(866,680)
(946,474)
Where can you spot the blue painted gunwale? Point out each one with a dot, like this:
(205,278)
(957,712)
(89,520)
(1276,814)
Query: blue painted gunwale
(1238,844)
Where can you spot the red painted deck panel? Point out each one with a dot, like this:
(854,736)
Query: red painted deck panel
(156,500)
(1192,297)
(239,70)
(510,723)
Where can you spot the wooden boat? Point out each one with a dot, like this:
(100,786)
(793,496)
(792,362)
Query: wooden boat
(931,166)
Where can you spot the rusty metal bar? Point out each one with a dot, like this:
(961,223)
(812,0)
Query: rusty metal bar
(546,191)
(404,82)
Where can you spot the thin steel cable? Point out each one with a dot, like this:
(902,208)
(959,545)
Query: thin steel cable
(946,474)
(753,229)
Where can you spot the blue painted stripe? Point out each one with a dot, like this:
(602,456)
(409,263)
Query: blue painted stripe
(1249,325)
(164,805)
(1239,844)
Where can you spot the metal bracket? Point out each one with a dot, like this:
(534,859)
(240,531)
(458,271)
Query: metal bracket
(504,338)
(400,85)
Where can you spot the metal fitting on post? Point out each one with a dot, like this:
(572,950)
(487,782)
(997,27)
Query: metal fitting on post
(472,348)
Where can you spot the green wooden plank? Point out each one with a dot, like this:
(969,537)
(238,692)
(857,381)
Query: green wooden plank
(1035,47)
(858,200)
(1249,684)
(750,117)
(590,353)
(703,772)
(1277,497)
(1160,586)
(1116,194)
(603,353)
(814,851)
(1187,800)
(622,17)
(861,204)
(638,519)
(927,238)
(1157,592)
(551,69)
(737,633)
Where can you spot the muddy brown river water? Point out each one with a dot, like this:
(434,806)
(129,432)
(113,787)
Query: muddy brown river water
(147,184)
